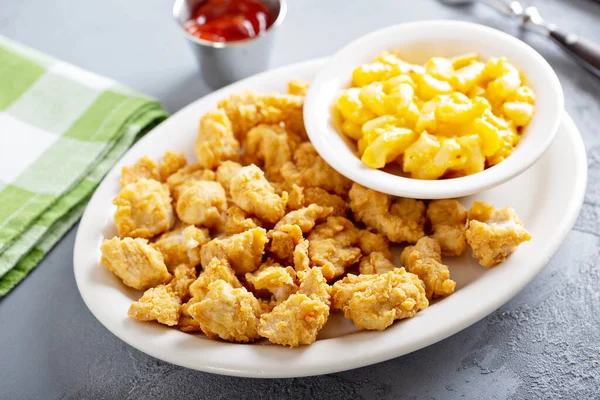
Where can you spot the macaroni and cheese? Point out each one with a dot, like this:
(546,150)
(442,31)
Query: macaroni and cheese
(451,117)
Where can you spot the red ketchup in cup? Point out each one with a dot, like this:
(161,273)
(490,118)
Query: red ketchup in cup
(229,20)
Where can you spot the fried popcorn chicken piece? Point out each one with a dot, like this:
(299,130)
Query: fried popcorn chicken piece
(183,277)
(374,302)
(425,260)
(370,242)
(310,170)
(272,146)
(225,173)
(448,220)
(243,251)
(255,195)
(295,321)
(284,237)
(494,234)
(295,197)
(171,162)
(228,313)
(145,167)
(248,109)
(279,281)
(402,221)
(143,209)
(409,209)
(216,269)
(300,256)
(295,194)
(338,228)
(375,263)
(183,175)
(201,203)
(182,246)
(331,246)
(283,241)
(238,221)
(332,257)
(215,142)
(314,285)
(157,304)
(135,262)
(297,87)
(321,197)
(186,322)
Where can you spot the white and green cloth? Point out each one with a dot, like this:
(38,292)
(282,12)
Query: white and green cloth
(61,130)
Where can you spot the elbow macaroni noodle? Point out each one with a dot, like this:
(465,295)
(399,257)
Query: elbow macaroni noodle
(451,117)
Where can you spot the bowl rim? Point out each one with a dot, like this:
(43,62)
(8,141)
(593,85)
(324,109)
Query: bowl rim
(319,130)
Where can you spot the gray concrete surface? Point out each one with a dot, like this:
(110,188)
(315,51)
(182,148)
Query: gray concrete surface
(544,343)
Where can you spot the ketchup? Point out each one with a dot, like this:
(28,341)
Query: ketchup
(229,20)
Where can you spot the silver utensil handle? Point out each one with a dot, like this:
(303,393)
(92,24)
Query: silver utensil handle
(585,52)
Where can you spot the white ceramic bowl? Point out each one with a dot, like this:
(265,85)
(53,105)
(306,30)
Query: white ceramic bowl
(417,42)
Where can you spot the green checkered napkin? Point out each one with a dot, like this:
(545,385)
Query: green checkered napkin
(61,130)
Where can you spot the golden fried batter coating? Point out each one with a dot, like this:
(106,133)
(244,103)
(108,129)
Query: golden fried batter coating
(243,251)
(409,209)
(295,194)
(255,195)
(228,313)
(225,173)
(295,197)
(216,269)
(248,109)
(314,285)
(238,221)
(370,242)
(374,302)
(376,263)
(294,322)
(284,237)
(157,304)
(331,246)
(494,234)
(283,242)
(215,142)
(183,276)
(425,260)
(271,276)
(143,209)
(186,323)
(338,228)
(321,197)
(145,167)
(135,262)
(270,146)
(182,246)
(448,219)
(402,221)
(300,256)
(310,170)
(191,172)
(332,257)
(171,162)
(201,203)
(297,87)
(305,218)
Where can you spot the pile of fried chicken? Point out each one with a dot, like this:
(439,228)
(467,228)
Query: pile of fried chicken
(260,238)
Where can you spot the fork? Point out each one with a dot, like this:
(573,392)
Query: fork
(584,51)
